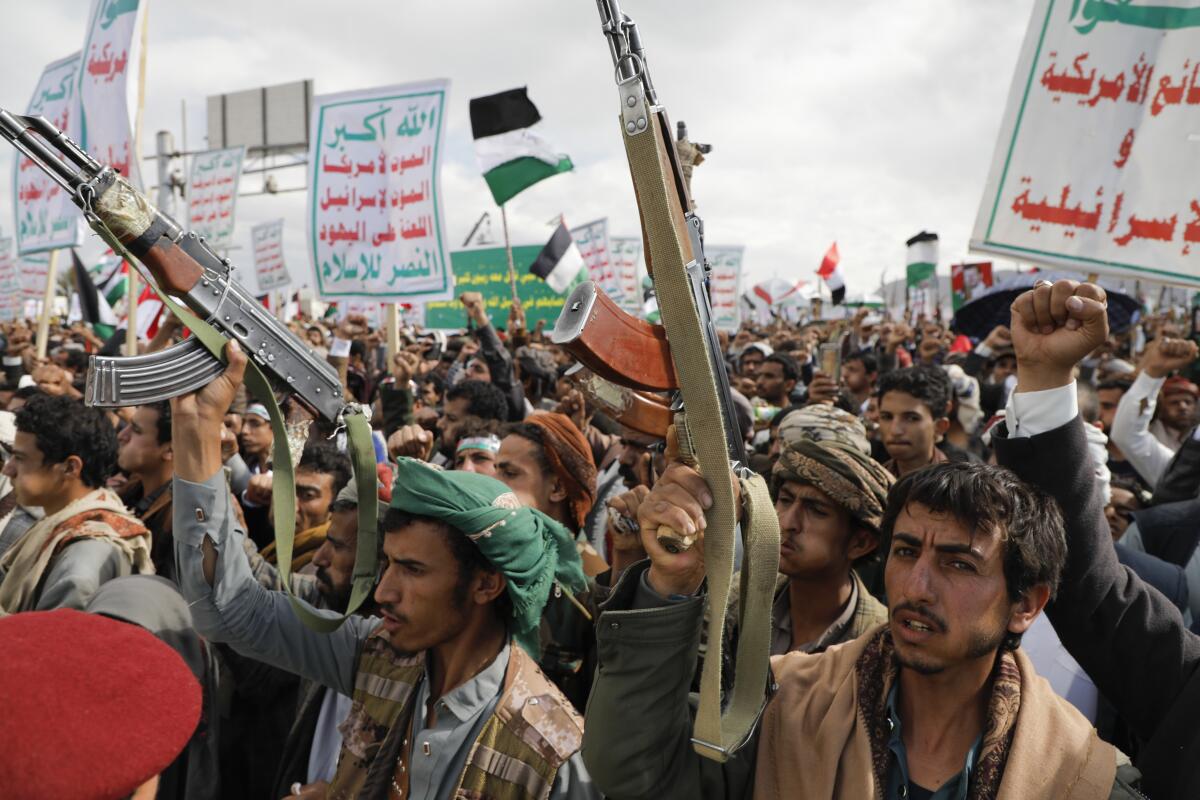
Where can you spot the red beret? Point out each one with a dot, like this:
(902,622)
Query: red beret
(1179,385)
(92,707)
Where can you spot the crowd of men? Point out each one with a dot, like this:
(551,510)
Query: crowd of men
(988,572)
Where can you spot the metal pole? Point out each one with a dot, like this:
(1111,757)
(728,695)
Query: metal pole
(164,145)
(43,328)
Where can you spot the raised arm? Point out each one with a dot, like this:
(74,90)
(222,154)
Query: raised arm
(1128,637)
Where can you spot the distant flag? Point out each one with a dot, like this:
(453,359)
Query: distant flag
(149,313)
(774,291)
(560,264)
(922,258)
(832,274)
(511,156)
(650,310)
(111,275)
(93,308)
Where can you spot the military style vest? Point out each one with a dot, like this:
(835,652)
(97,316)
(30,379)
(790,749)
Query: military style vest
(532,731)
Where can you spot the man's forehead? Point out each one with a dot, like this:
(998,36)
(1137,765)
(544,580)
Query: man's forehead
(944,528)
(899,401)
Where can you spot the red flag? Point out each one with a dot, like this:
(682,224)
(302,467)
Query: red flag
(829,262)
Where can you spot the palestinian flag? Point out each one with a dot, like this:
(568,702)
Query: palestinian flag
(922,258)
(560,264)
(511,156)
(832,274)
(88,304)
(650,311)
(111,276)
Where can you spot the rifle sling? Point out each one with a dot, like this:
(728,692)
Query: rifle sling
(716,735)
(283,478)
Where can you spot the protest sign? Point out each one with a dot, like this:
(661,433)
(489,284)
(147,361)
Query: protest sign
(626,253)
(1094,168)
(31,275)
(592,241)
(486,271)
(725,286)
(375,211)
(267,241)
(10,288)
(46,219)
(212,194)
(969,281)
(112,55)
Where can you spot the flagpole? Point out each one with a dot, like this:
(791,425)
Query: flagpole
(512,275)
(131,296)
(43,328)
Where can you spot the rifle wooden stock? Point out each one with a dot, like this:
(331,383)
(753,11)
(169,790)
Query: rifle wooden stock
(615,345)
(175,271)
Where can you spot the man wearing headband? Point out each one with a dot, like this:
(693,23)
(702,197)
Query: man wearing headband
(477,447)
(467,572)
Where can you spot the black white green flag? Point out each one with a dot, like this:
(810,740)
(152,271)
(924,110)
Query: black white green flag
(560,263)
(512,157)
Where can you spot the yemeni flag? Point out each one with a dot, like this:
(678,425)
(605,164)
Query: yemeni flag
(560,264)
(922,258)
(88,303)
(832,274)
(512,157)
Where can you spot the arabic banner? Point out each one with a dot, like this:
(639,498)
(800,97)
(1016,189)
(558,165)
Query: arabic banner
(46,219)
(1096,161)
(592,241)
(10,289)
(267,241)
(212,194)
(486,271)
(32,271)
(725,285)
(968,281)
(376,225)
(626,254)
(109,84)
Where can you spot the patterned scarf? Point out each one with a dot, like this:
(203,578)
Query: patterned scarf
(877,670)
(570,457)
(853,480)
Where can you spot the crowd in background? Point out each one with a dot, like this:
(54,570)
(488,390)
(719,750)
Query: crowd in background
(834,413)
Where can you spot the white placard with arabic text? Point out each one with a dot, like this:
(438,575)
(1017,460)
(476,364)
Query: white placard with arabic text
(725,285)
(376,224)
(212,194)
(1095,168)
(108,83)
(627,258)
(592,241)
(32,271)
(267,241)
(46,219)
(10,289)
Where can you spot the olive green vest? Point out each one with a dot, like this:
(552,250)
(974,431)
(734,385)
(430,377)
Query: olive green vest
(532,731)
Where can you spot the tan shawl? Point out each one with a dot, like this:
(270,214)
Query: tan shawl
(97,515)
(815,743)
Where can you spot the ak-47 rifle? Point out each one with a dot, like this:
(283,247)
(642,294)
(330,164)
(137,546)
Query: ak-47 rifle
(684,356)
(179,264)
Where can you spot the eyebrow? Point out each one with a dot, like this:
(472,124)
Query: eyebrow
(962,549)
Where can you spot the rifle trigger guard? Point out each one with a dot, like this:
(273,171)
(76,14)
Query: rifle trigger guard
(633,95)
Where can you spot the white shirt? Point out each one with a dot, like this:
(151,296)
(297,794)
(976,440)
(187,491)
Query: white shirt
(1131,430)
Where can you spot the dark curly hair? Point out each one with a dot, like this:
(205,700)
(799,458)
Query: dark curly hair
(986,498)
(64,427)
(326,459)
(484,400)
(163,423)
(930,385)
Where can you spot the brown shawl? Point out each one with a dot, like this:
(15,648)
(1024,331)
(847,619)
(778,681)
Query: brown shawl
(821,735)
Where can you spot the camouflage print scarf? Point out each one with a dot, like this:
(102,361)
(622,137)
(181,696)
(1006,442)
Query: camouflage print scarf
(877,670)
(853,480)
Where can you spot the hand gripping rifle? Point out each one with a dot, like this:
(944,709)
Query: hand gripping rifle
(684,356)
(216,307)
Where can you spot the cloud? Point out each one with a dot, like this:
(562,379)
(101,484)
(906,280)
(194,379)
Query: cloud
(861,122)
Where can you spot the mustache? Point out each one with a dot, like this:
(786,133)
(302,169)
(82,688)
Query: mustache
(393,613)
(926,616)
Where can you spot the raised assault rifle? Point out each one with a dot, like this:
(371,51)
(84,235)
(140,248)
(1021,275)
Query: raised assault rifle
(183,266)
(685,355)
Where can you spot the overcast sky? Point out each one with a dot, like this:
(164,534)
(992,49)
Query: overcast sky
(857,122)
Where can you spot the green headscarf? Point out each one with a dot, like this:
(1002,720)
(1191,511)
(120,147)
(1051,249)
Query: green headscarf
(533,551)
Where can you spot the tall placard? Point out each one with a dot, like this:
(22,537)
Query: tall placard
(1094,169)
(212,194)
(627,258)
(267,241)
(46,219)
(725,285)
(376,225)
(109,83)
